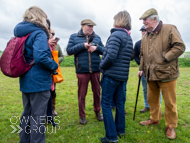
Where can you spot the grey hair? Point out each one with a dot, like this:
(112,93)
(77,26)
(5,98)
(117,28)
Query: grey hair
(155,16)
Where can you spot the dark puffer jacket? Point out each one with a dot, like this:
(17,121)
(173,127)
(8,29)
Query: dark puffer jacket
(85,62)
(117,55)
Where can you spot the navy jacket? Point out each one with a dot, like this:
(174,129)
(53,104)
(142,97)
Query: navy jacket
(38,78)
(137,51)
(85,62)
(117,55)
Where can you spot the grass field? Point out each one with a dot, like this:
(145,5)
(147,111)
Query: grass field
(70,131)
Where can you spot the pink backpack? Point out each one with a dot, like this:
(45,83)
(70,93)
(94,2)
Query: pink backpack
(13,63)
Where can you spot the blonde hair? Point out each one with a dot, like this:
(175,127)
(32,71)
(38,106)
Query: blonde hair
(122,20)
(36,14)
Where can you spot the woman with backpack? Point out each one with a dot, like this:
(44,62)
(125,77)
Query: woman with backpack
(35,84)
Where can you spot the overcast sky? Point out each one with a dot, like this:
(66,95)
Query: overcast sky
(66,15)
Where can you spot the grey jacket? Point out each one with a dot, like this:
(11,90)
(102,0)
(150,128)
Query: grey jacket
(60,53)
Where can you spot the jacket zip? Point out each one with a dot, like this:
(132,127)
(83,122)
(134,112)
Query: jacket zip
(89,57)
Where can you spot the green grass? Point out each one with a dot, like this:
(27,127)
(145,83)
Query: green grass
(69,129)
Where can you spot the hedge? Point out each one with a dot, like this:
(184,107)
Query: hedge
(69,62)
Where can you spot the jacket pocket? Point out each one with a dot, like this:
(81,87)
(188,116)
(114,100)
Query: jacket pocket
(163,72)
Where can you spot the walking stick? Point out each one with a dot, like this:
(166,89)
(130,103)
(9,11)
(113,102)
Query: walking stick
(137,98)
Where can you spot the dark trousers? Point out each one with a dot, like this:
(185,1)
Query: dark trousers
(33,117)
(83,80)
(49,118)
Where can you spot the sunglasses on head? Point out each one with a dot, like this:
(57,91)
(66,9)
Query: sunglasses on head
(53,34)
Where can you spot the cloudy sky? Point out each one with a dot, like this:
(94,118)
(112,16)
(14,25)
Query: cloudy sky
(66,15)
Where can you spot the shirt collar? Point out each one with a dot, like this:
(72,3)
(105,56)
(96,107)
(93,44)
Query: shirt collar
(157,28)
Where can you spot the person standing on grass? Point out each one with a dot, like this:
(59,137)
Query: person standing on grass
(161,47)
(53,46)
(115,65)
(36,83)
(137,50)
(61,58)
(86,47)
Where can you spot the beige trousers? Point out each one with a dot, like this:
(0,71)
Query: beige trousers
(169,95)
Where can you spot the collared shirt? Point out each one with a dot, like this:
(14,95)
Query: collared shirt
(154,27)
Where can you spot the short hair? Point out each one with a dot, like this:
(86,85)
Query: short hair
(123,20)
(36,14)
(155,16)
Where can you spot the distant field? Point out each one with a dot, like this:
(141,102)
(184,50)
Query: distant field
(185,55)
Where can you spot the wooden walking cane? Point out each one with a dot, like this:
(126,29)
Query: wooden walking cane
(137,98)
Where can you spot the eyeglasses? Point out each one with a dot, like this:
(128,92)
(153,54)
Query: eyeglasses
(53,34)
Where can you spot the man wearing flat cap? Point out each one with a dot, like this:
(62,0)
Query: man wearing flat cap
(161,47)
(86,46)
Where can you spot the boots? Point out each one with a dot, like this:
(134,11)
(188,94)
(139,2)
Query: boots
(53,107)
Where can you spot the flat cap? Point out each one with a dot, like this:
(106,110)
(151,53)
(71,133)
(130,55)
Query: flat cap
(87,22)
(148,13)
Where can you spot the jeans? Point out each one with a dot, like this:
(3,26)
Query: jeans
(125,89)
(144,85)
(112,89)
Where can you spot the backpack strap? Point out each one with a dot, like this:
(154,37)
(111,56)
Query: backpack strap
(32,61)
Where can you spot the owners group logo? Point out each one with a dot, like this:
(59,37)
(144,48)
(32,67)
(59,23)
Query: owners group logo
(38,124)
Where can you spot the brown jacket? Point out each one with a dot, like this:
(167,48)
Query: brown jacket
(160,51)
